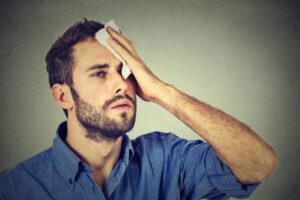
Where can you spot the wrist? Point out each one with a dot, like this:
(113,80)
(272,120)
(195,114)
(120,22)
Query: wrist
(165,96)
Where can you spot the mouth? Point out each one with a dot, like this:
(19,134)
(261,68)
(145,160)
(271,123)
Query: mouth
(121,105)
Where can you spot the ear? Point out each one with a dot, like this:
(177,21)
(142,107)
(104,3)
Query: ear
(62,96)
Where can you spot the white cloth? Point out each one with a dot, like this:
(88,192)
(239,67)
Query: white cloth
(102,37)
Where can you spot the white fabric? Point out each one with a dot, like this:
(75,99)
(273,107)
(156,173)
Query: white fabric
(102,37)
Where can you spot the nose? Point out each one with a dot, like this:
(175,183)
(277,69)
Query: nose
(120,86)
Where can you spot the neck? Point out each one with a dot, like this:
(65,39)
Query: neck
(100,155)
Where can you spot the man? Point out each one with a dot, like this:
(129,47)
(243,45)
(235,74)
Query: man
(93,158)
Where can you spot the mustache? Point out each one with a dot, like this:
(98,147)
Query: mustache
(116,98)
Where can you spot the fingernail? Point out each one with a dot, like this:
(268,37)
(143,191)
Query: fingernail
(109,28)
(109,39)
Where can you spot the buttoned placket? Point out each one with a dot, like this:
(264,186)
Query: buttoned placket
(87,186)
(115,178)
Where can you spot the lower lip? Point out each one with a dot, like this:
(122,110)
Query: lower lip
(121,108)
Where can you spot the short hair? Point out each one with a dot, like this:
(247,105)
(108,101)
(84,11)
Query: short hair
(59,59)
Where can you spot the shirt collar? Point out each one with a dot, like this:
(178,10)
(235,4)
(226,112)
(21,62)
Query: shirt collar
(68,163)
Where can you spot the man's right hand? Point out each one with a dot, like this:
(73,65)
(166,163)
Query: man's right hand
(149,86)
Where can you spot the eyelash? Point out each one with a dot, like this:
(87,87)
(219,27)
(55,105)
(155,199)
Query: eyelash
(100,74)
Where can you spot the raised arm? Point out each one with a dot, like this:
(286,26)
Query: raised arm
(249,157)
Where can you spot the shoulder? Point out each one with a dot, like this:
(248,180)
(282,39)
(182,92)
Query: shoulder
(22,174)
(164,138)
(155,138)
(158,137)
(165,141)
(30,163)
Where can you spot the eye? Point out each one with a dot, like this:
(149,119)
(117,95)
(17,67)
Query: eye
(100,74)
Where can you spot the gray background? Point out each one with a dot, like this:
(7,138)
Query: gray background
(240,56)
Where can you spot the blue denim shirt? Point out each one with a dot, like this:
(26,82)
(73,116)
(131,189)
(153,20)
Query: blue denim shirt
(153,166)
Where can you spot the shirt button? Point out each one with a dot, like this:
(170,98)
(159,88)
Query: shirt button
(70,181)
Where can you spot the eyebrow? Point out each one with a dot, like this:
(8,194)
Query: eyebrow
(102,66)
(97,66)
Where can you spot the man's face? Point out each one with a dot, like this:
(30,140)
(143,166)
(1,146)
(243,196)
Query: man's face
(105,103)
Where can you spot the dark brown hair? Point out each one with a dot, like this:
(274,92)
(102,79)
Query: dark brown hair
(59,59)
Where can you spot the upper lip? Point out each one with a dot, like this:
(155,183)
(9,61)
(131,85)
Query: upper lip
(122,102)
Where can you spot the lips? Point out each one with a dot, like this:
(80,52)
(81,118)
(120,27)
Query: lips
(121,104)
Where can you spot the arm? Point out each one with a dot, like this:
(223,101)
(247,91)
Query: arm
(249,157)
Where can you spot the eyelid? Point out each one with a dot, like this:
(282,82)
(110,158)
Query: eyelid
(100,71)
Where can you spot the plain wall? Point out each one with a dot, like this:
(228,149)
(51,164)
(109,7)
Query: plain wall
(240,56)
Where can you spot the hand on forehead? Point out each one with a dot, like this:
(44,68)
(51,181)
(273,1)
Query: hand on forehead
(102,37)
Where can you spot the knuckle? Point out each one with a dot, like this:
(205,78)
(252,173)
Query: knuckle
(129,41)
(139,63)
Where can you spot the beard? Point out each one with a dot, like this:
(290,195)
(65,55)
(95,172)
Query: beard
(98,125)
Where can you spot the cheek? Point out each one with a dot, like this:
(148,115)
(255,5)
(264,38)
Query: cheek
(131,91)
(132,85)
(96,95)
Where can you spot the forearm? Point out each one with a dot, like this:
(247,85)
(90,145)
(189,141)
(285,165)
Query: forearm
(250,158)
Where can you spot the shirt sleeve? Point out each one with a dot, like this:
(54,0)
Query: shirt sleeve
(4,184)
(203,175)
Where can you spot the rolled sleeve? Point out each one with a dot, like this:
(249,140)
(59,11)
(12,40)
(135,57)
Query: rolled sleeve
(204,175)
(223,178)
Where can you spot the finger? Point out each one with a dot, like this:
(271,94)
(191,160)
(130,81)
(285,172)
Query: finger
(123,52)
(122,40)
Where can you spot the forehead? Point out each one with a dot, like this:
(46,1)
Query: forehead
(90,52)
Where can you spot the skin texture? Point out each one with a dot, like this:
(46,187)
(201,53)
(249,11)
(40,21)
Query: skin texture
(250,158)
